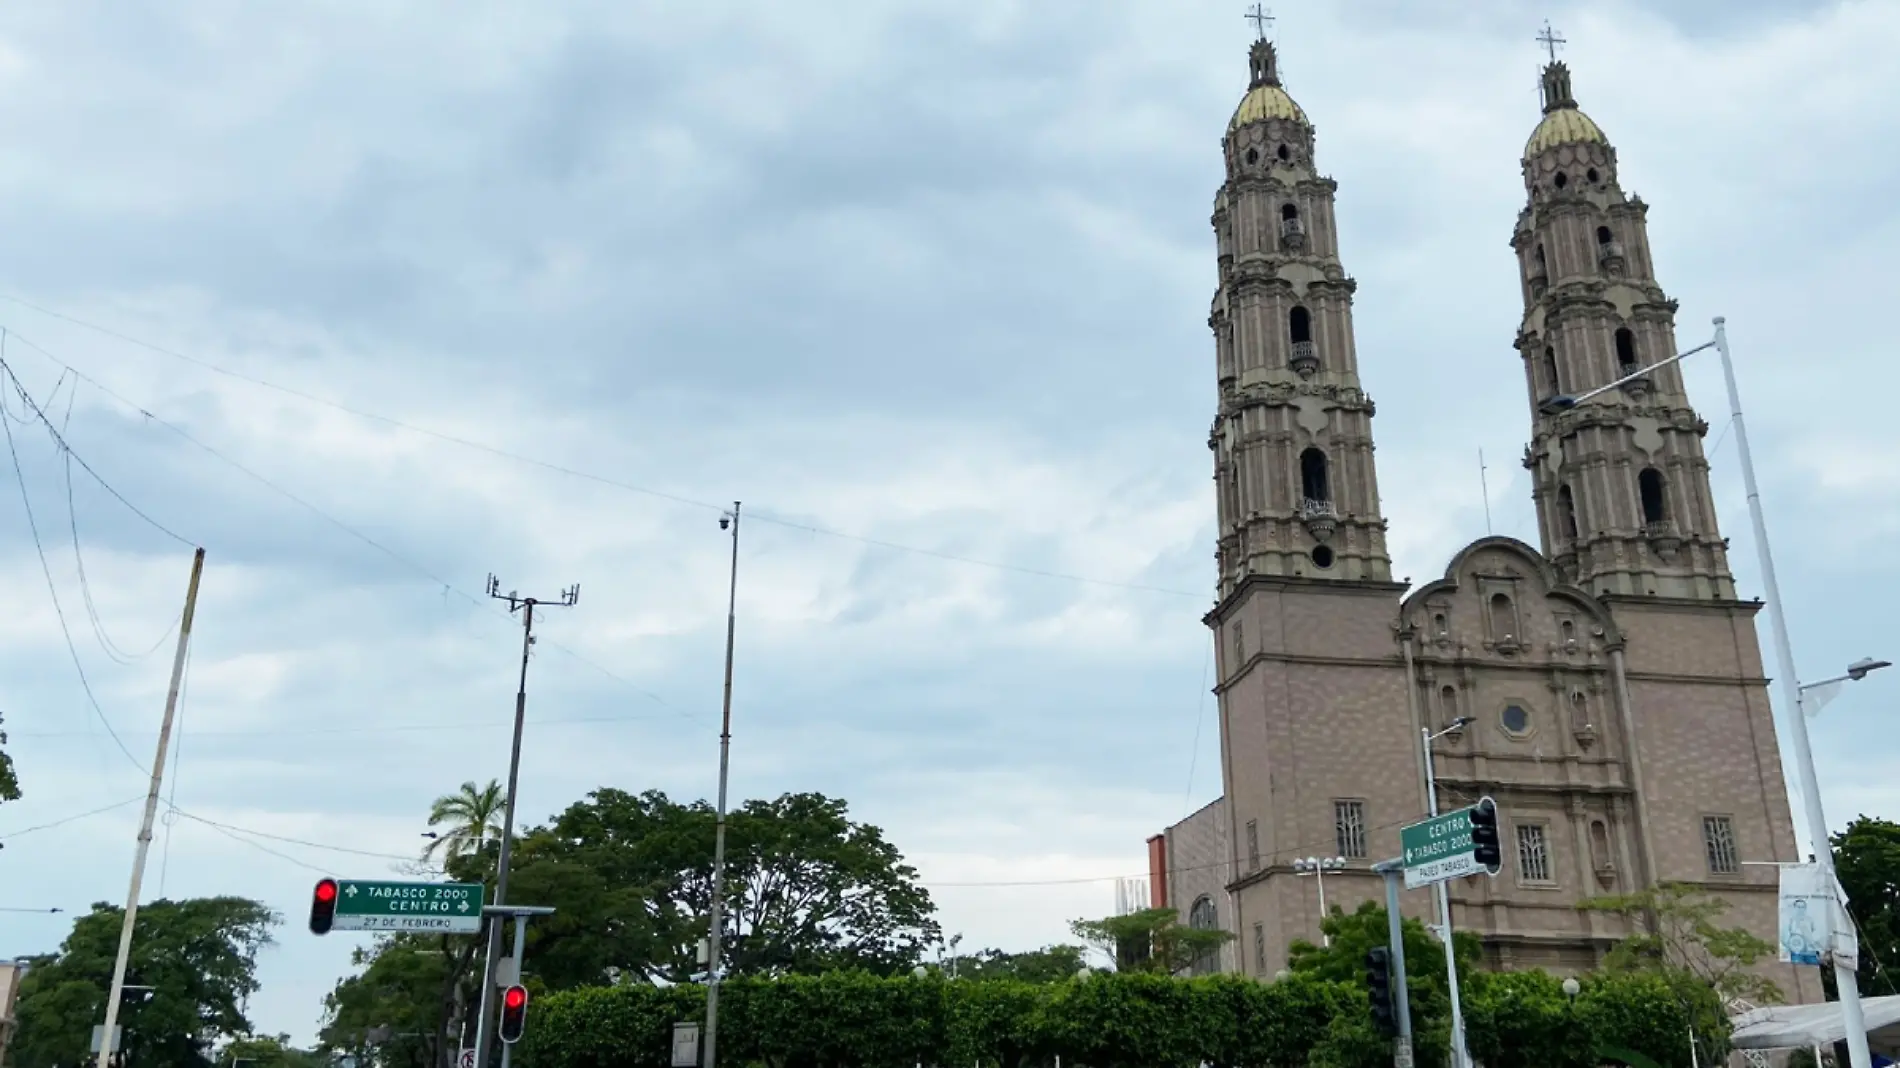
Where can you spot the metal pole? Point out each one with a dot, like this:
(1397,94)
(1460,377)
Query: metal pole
(485,1022)
(521,947)
(1459,1058)
(1395,937)
(1844,979)
(1319,876)
(119,964)
(719,826)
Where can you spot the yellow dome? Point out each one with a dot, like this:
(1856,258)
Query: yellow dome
(1563,126)
(1264,102)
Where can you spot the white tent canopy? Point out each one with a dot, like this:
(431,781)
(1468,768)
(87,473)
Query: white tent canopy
(1806,1026)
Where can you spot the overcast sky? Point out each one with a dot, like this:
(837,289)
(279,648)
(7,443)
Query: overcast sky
(925,285)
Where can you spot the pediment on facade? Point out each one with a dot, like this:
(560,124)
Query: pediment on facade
(1502,595)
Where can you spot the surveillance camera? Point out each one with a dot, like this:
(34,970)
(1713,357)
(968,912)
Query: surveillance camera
(725,522)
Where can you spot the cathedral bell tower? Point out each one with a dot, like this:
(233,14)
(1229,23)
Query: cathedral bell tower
(1292,441)
(1620,480)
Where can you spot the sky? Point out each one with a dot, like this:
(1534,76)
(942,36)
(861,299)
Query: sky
(372,301)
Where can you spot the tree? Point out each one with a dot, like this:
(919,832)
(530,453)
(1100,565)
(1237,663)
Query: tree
(807,890)
(1867,861)
(266,1051)
(1151,940)
(199,957)
(1679,934)
(9,781)
(473,814)
(414,1000)
(1050,964)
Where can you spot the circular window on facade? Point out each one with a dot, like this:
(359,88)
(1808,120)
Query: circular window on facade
(1322,556)
(1515,719)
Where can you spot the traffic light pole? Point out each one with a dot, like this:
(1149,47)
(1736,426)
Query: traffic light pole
(495,915)
(485,1021)
(1459,1058)
(1395,939)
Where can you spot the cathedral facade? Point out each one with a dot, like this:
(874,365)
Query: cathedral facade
(1612,680)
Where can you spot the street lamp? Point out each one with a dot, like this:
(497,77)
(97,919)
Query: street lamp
(1459,1058)
(1317,867)
(1815,695)
(1852,1019)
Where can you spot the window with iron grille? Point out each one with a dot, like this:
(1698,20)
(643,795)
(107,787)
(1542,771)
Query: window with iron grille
(1718,841)
(1202,917)
(1349,828)
(1253,845)
(1533,853)
(1260,949)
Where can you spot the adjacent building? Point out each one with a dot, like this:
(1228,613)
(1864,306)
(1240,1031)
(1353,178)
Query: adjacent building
(1619,711)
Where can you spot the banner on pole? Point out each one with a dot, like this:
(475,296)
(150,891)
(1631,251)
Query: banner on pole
(1814,927)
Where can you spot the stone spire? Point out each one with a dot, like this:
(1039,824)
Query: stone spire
(1620,481)
(1298,495)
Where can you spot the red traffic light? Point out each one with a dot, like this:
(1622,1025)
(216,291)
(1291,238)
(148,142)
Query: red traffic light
(323,906)
(514,1013)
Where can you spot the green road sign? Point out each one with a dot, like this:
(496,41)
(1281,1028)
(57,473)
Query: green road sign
(445,908)
(1438,849)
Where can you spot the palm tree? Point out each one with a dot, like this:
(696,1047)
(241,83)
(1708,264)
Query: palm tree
(473,814)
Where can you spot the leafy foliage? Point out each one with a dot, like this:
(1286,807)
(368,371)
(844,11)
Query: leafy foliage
(1679,934)
(1151,940)
(1867,861)
(200,957)
(1133,1020)
(472,815)
(1050,964)
(9,780)
(266,1051)
(421,989)
(807,890)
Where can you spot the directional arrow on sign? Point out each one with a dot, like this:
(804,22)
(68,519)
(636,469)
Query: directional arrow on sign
(464,905)
(351,891)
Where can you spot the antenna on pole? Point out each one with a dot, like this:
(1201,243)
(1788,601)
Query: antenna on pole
(1484,487)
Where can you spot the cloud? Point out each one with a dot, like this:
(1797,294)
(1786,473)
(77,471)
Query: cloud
(924,287)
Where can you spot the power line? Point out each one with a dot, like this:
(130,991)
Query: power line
(647,491)
(106,643)
(331,519)
(61,822)
(291,841)
(52,589)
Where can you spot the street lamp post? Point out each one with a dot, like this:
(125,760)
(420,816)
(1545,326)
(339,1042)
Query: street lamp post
(1459,1057)
(1853,1021)
(1317,867)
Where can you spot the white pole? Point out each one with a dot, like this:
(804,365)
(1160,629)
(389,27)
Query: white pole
(1459,1058)
(1844,978)
(117,989)
(717,930)
(1319,876)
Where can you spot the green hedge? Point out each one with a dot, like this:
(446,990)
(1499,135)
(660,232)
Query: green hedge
(845,1020)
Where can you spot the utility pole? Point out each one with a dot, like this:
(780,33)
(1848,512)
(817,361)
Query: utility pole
(484,1022)
(728,521)
(117,990)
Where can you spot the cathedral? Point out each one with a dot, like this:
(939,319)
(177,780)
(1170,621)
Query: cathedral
(1606,688)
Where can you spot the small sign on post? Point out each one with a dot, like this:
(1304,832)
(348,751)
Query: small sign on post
(466,1059)
(118,1037)
(685,1045)
(442,908)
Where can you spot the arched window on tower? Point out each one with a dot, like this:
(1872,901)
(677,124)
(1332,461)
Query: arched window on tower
(1609,250)
(1567,512)
(1315,487)
(1540,272)
(1650,487)
(1292,230)
(1625,350)
(1299,325)
(1448,703)
(1551,382)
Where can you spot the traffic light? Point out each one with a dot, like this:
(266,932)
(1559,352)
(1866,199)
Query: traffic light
(514,1013)
(1484,836)
(1379,989)
(323,906)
